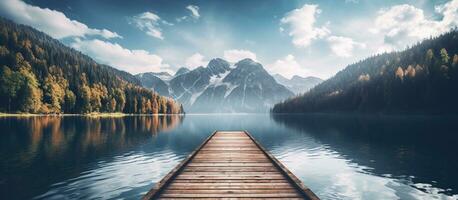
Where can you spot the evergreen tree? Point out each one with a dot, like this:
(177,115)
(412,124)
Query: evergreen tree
(41,75)
(389,82)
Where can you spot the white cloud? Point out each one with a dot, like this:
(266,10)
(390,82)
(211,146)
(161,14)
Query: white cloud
(52,22)
(132,61)
(405,24)
(301,24)
(196,60)
(194,11)
(182,18)
(343,46)
(287,67)
(450,13)
(193,15)
(149,23)
(235,55)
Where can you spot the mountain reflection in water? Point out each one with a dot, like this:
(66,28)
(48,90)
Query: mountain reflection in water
(337,156)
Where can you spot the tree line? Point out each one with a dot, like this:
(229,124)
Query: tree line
(38,74)
(420,79)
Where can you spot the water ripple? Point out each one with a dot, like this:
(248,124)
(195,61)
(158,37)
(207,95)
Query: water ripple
(108,180)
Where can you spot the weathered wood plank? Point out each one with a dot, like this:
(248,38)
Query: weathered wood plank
(230,169)
(226,173)
(228,191)
(230,149)
(283,195)
(216,186)
(232,164)
(230,181)
(216,160)
(209,177)
(214,198)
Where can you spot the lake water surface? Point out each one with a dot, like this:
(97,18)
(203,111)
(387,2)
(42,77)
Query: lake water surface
(337,156)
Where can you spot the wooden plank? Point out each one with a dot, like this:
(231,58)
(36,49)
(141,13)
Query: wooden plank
(222,177)
(234,153)
(283,195)
(247,198)
(225,157)
(230,169)
(231,154)
(227,161)
(230,165)
(272,181)
(231,187)
(229,191)
(230,160)
(216,186)
(230,139)
(231,145)
(231,174)
(230,149)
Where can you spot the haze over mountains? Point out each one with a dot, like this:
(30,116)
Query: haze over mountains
(221,87)
(298,84)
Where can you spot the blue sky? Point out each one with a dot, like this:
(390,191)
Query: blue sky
(289,37)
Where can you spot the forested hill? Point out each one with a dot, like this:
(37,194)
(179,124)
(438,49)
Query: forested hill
(38,74)
(420,79)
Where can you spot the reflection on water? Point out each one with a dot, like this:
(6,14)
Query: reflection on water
(394,157)
(41,151)
(337,156)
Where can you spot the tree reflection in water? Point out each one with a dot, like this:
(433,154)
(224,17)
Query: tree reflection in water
(47,145)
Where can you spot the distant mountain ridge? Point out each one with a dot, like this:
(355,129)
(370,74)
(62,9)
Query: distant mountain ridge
(298,84)
(153,81)
(182,70)
(219,87)
(421,79)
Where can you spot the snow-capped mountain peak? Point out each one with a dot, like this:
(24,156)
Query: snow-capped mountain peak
(219,87)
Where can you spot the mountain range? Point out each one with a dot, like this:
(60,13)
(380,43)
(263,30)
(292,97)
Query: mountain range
(298,84)
(221,87)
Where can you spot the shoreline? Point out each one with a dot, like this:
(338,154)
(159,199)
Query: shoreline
(82,115)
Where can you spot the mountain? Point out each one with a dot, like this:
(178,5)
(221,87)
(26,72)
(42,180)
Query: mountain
(298,84)
(38,74)
(162,75)
(219,87)
(420,79)
(182,70)
(246,88)
(153,81)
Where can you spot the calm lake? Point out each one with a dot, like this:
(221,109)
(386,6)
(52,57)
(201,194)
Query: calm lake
(337,156)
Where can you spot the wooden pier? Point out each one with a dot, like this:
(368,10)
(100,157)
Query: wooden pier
(230,165)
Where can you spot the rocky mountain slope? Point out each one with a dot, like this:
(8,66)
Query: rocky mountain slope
(219,87)
(152,81)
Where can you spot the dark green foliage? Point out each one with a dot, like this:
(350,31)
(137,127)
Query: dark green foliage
(11,83)
(38,74)
(421,79)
